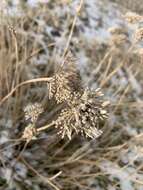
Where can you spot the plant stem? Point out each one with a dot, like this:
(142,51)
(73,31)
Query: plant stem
(45,127)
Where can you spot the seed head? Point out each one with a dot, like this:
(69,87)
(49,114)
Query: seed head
(117,30)
(133,18)
(32,111)
(83,117)
(29,133)
(139,34)
(119,39)
(66,82)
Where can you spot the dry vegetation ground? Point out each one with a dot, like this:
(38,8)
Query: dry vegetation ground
(114,161)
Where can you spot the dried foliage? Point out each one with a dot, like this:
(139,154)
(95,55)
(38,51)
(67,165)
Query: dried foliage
(38,151)
(83,109)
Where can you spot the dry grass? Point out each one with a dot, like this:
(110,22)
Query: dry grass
(115,158)
(131,5)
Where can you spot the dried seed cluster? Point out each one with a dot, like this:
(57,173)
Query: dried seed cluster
(83,109)
(29,132)
(119,36)
(117,30)
(63,86)
(32,111)
(83,117)
(119,39)
(139,34)
(66,83)
(133,18)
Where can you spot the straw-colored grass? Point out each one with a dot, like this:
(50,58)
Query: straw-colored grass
(29,60)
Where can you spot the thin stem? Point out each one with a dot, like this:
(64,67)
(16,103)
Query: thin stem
(72,29)
(45,179)
(45,127)
(45,79)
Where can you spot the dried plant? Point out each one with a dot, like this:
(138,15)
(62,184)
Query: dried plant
(83,116)
(66,83)
(119,39)
(138,34)
(32,111)
(133,18)
(117,30)
(83,109)
(116,70)
(29,133)
(63,86)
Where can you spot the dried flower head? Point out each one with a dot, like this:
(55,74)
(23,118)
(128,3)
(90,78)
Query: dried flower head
(66,82)
(29,133)
(138,34)
(84,116)
(119,39)
(63,86)
(133,18)
(117,30)
(32,111)
(140,52)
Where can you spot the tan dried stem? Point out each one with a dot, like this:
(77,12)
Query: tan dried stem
(45,127)
(72,29)
(44,179)
(14,35)
(45,79)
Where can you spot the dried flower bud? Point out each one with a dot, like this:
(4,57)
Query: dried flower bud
(32,111)
(29,133)
(118,40)
(139,34)
(117,30)
(133,18)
